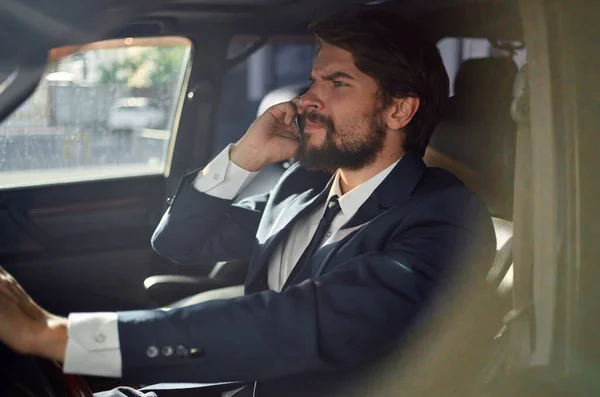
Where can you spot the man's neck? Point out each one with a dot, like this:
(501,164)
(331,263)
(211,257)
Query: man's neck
(349,179)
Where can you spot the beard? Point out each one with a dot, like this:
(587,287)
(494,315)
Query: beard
(356,146)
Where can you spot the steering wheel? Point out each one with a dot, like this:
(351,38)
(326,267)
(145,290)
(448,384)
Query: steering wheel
(29,376)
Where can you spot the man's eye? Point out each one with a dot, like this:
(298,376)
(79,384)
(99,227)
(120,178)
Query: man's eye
(340,84)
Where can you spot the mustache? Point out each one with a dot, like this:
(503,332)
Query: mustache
(317,118)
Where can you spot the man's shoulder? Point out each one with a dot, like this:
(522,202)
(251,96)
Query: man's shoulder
(439,180)
(440,184)
(441,192)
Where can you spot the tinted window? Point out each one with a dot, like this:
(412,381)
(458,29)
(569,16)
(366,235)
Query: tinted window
(455,51)
(101,111)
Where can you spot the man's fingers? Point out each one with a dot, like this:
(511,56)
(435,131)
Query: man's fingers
(11,292)
(285,111)
(17,290)
(6,291)
(12,285)
(10,288)
(9,284)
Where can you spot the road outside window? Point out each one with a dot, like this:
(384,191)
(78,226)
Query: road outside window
(104,110)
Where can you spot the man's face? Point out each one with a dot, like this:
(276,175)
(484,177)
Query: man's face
(343,117)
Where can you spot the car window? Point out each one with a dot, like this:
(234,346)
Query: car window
(8,72)
(280,62)
(104,110)
(456,50)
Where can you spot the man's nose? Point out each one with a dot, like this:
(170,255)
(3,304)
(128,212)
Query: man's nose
(310,101)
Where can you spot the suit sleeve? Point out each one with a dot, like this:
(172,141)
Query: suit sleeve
(348,315)
(202,224)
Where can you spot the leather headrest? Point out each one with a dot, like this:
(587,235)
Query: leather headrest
(279,95)
(479,77)
(477,130)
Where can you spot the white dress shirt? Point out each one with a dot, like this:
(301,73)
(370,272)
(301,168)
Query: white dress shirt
(93,346)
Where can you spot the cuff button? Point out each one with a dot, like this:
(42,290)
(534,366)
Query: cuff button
(152,351)
(182,351)
(167,351)
(196,353)
(100,337)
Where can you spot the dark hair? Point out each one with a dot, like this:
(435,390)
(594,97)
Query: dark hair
(400,59)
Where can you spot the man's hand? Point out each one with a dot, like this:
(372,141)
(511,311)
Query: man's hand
(27,328)
(271,138)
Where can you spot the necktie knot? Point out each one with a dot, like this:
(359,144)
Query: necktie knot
(332,209)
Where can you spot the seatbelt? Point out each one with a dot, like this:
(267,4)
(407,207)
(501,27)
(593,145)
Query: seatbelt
(496,367)
(512,350)
(501,342)
(502,263)
(520,333)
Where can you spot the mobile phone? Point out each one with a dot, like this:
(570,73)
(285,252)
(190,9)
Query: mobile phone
(299,125)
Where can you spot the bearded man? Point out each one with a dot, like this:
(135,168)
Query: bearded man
(345,252)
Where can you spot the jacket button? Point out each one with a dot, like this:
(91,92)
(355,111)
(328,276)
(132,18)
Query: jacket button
(167,351)
(170,201)
(196,353)
(152,351)
(182,351)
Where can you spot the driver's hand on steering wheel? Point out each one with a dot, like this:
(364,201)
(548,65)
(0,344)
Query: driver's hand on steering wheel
(27,328)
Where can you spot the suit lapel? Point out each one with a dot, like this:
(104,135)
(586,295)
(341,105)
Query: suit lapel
(301,206)
(395,189)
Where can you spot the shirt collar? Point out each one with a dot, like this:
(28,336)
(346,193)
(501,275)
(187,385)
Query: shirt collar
(352,200)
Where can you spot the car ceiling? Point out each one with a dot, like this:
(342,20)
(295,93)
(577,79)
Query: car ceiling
(27,25)
(495,19)
(29,28)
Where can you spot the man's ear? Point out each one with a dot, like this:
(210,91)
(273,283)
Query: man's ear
(401,112)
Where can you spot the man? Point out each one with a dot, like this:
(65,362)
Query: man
(341,265)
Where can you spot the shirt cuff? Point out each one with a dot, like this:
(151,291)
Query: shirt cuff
(222,178)
(93,346)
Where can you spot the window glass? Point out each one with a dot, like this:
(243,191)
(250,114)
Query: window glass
(455,51)
(103,110)
(282,61)
(8,73)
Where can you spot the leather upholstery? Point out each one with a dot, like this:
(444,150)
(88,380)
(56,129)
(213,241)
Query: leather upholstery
(477,131)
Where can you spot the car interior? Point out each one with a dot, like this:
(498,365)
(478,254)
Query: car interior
(79,202)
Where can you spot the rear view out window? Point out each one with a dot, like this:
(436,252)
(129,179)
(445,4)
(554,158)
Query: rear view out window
(456,50)
(105,110)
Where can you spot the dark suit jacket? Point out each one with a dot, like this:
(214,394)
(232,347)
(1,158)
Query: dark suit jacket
(344,309)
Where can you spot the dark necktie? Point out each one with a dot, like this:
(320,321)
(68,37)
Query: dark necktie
(332,209)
